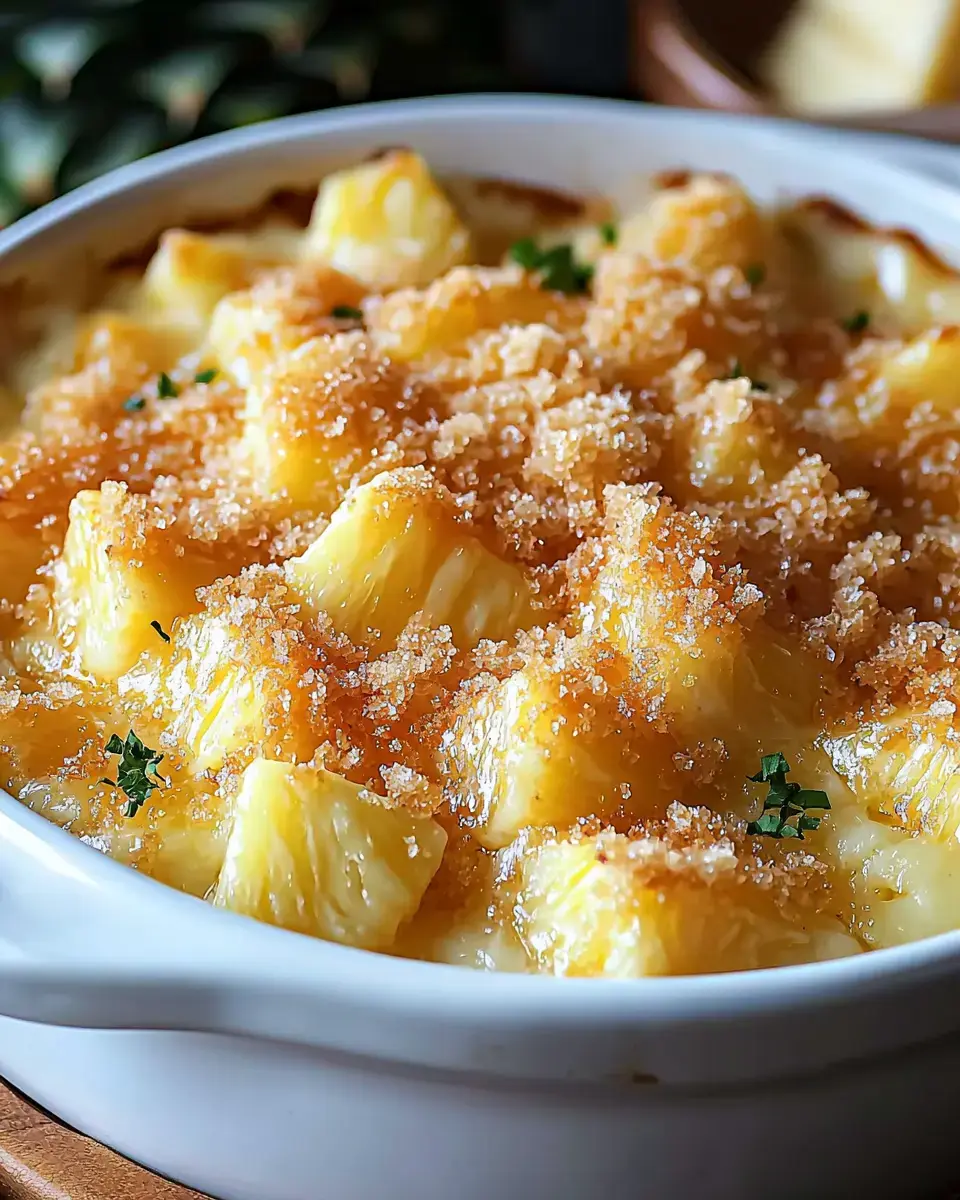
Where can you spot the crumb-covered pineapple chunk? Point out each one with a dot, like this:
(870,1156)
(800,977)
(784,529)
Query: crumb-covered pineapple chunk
(122,340)
(396,547)
(387,223)
(312,852)
(416,323)
(706,222)
(190,272)
(904,769)
(319,414)
(731,444)
(124,570)
(553,743)
(237,680)
(688,895)
(662,595)
(113,355)
(281,311)
(645,318)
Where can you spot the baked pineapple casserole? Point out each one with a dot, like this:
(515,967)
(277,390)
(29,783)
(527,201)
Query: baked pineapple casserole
(489,577)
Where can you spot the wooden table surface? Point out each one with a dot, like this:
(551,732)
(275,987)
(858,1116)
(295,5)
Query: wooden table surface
(40,1159)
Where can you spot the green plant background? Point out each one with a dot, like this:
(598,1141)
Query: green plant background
(88,86)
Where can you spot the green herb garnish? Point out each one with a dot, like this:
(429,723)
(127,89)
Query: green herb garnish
(166,388)
(857,323)
(608,233)
(207,376)
(559,271)
(134,403)
(136,772)
(737,372)
(788,799)
(755,274)
(346,312)
(160,630)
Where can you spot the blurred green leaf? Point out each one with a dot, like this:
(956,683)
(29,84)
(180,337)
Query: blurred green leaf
(56,50)
(287,24)
(184,82)
(33,144)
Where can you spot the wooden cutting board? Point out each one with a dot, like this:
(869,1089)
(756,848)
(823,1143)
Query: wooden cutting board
(40,1159)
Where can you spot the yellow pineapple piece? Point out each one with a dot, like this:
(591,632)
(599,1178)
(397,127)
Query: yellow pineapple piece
(415,323)
(891,388)
(646,316)
(128,344)
(236,680)
(387,223)
(904,769)
(396,547)
(178,837)
(687,897)
(312,852)
(905,887)
(53,759)
(551,745)
(190,272)
(37,483)
(281,311)
(731,444)
(925,371)
(706,222)
(890,416)
(841,266)
(319,414)
(122,568)
(114,355)
(662,587)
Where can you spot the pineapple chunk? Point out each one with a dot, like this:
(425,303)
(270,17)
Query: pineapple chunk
(283,310)
(662,587)
(904,769)
(236,680)
(732,444)
(925,371)
(319,414)
(544,748)
(413,323)
(312,852)
(387,223)
(113,356)
(190,272)
(645,317)
(842,266)
(122,568)
(126,344)
(706,223)
(394,548)
(675,901)
(905,887)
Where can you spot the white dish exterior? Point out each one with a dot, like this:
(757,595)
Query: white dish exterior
(259,1065)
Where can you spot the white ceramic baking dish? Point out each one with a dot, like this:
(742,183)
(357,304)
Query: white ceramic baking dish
(259,1065)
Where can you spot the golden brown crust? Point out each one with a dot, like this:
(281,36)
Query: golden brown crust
(737,521)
